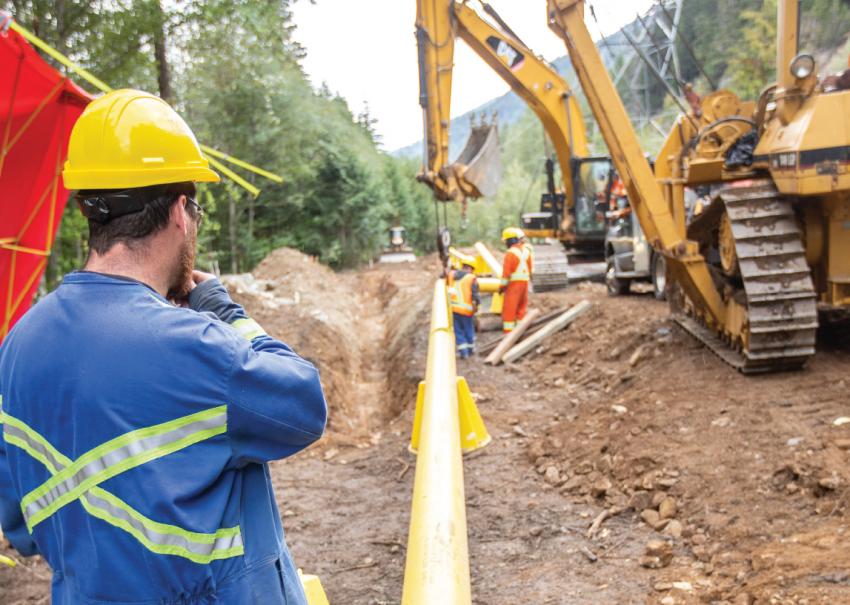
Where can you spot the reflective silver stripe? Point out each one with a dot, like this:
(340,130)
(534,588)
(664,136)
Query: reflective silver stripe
(114,457)
(461,305)
(197,548)
(35,445)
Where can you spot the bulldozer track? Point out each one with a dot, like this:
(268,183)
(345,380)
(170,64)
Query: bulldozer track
(780,296)
(550,271)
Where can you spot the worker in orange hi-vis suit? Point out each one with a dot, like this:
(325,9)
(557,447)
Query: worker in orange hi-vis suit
(516,275)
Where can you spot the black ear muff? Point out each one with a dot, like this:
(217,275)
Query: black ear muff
(95,209)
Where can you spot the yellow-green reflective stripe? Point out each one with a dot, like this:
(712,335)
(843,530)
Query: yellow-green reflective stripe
(118,455)
(11,423)
(157,537)
(222,544)
(248,328)
(117,443)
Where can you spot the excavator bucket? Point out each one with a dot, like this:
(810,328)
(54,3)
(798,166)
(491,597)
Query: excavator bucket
(478,167)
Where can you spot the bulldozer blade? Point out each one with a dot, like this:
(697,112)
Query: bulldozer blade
(397,257)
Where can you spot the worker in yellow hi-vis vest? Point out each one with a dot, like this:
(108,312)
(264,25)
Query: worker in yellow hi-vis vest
(464,299)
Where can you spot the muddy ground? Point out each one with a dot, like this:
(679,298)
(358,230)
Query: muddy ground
(706,486)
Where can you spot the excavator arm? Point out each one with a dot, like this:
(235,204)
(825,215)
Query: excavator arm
(438,24)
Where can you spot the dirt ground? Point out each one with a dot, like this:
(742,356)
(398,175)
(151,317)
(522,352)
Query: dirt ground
(702,485)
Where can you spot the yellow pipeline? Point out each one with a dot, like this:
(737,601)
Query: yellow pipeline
(489,285)
(437,567)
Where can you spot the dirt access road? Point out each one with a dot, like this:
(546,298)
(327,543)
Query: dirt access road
(622,414)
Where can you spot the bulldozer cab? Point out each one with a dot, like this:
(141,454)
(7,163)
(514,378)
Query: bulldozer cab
(397,237)
(398,250)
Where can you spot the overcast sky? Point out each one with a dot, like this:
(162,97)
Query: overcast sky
(366,51)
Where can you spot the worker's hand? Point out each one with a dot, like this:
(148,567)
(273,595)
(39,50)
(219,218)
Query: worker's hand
(199,277)
(181,297)
(502,289)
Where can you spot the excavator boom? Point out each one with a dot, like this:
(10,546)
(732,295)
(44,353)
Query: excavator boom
(435,40)
(476,172)
(534,81)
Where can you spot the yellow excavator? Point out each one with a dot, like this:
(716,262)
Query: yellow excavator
(573,214)
(771,245)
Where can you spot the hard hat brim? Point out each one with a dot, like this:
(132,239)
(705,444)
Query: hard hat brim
(130,179)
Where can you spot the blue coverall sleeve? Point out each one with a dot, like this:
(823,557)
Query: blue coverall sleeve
(11,519)
(276,406)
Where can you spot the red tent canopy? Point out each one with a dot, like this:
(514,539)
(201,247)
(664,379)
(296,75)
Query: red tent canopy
(38,108)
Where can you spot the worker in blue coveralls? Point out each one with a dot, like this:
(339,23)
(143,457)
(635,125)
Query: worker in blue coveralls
(140,404)
(464,299)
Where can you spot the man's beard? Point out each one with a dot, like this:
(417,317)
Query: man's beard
(178,288)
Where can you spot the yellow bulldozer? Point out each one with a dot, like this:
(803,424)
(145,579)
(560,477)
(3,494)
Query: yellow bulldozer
(398,250)
(769,245)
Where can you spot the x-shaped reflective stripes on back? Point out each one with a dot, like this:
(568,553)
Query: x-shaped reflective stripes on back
(72,480)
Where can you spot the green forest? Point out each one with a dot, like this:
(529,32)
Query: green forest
(233,70)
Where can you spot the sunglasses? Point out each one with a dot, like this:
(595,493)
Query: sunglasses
(200,209)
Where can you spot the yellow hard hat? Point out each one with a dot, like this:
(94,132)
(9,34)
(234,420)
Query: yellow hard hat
(129,138)
(512,233)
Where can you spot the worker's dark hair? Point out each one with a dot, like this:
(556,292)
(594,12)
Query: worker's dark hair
(130,228)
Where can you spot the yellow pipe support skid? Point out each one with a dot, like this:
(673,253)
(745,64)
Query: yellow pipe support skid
(313,589)
(437,566)
(473,433)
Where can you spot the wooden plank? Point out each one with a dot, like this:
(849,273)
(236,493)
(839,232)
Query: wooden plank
(544,319)
(556,325)
(511,338)
(488,347)
(536,325)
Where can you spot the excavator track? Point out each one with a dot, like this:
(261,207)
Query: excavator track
(780,296)
(551,267)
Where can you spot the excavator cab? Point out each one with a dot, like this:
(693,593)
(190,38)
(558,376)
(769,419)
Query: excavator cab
(592,185)
(585,221)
